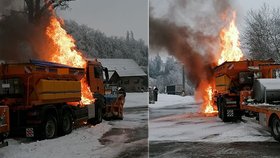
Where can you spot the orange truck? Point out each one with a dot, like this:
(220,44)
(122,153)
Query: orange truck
(42,99)
(250,88)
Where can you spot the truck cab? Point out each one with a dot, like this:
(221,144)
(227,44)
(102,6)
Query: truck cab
(110,97)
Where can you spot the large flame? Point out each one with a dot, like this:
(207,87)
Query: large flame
(205,91)
(67,53)
(230,51)
(209,108)
(230,45)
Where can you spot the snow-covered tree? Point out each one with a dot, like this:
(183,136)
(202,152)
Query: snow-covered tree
(262,33)
(94,43)
(167,73)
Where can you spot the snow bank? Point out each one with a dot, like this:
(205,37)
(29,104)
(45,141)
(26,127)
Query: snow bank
(169,100)
(82,142)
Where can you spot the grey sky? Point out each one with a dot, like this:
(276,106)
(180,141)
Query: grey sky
(241,6)
(113,17)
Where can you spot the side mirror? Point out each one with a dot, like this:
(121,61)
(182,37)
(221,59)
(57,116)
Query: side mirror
(106,75)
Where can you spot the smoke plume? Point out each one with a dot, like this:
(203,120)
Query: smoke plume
(21,39)
(190,32)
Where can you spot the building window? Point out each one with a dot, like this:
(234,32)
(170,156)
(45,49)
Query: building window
(136,81)
(126,81)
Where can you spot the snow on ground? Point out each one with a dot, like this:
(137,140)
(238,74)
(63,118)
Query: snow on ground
(82,142)
(176,119)
(169,100)
(136,100)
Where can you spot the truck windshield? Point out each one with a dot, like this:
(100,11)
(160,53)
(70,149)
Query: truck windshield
(98,72)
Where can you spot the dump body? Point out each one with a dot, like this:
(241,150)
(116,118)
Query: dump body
(33,90)
(231,77)
(26,85)
(249,87)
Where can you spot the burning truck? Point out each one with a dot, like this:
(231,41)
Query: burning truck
(249,87)
(45,98)
(226,84)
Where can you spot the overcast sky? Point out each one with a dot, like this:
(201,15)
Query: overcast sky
(242,7)
(113,17)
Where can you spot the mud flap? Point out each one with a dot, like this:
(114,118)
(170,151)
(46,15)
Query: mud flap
(91,111)
(29,132)
(230,113)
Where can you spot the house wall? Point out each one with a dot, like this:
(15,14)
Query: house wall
(133,84)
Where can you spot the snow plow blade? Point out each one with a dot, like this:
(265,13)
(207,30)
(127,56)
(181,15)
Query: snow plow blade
(114,107)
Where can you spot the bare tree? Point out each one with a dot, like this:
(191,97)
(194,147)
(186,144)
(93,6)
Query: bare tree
(36,8)
(262,33)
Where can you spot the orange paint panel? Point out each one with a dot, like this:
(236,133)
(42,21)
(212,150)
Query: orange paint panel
(63,71)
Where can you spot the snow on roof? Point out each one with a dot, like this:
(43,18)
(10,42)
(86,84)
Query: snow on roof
(110,73)
(270,84)
(124,67)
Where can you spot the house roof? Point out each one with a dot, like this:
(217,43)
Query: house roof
(124,67)
(111,73)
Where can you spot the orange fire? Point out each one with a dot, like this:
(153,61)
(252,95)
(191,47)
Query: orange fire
(230,45)
(205,91)
(209,108)
(230,51)
(67,53)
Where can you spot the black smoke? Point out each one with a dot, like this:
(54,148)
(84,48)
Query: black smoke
(194,43)
(21,39)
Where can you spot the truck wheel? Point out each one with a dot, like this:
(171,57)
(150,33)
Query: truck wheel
(67,125)
(275,128)
(219,100)
(98,114)
(98,117)
(50,127)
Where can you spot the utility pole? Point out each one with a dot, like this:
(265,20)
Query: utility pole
(183,76)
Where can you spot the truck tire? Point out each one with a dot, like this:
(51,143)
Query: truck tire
(67,123)
(50,127)
(98,114)
(219,100)
(275,128)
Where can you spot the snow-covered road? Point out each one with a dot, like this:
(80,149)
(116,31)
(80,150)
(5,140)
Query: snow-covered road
(105,140)
(176,118)
(177,129)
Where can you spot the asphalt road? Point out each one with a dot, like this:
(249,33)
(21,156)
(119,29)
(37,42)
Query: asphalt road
(131,134)
(214,150)
(199,149)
